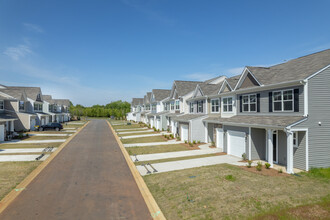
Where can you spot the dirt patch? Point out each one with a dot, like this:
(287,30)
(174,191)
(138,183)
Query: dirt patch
(221,153)
(192,147)
(264,171)
(310,212)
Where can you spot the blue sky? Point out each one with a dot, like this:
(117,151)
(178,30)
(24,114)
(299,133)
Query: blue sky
(94,52)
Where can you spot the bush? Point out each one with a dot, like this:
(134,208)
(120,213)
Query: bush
(280,171)
(171,136)
(158,130)
(244,157)
(213,144)
(267,165)
(230,178)
(190,144)
(154,128)
(178,138)
(168,130)
(186,142)
(249,163)
(259,166)
(194,142)
(198,142)
(162,129)
(165,136)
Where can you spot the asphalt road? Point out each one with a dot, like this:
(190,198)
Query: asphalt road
(88,179)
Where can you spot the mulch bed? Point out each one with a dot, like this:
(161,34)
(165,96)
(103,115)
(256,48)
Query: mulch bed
(193,147)
(264,171)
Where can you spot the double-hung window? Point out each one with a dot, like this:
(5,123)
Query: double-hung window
(191,107)
(228,104)
(21,105)
(2,105)
(200,107)
(283,100)
(249,103)
(215,105)
(172,105)
(177,105)
(37,107)
(153,107)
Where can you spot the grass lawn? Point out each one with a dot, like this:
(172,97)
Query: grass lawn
(132,134)
(27,153)
(174,159)
(127,126)
(9,146)
(32,138)
(157,149)
(143,140)
(46,132)
(229,192)
(12,173)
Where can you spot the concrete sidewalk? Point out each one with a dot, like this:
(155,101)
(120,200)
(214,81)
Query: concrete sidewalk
(131,129)
(50,135)
(33,142)
(167,155)
(139,136)
(23,150)
(133,132)
(16,158)
(192,163)
(153,144)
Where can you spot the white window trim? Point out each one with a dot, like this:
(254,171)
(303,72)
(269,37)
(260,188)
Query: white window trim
(177,101)
(191,107)
(249,107)
(219,103)
(282,101)
(198,102)
(232,103)
(293,137)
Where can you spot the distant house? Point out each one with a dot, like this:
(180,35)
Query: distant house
(7,125)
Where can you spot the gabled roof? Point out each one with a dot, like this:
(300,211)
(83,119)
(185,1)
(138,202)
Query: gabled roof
(31,92)
(292,70)
(147,98)
(137,101)
(160,94)
(15,93)
(215,80)
(65,102)
(184,87)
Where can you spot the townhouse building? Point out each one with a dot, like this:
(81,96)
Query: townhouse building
(6,120)
(146,108)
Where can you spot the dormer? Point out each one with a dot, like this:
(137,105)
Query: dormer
(225,87)
(247,79)
(198,92)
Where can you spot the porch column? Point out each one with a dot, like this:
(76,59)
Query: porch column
(270,147)
(289,144)
(12,126)
(206,133)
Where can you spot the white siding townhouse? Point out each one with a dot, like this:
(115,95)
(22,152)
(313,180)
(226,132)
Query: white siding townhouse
(6,120)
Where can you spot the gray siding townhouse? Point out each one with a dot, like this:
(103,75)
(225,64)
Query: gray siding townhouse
(157,117)
(279,113)
(6,120)
(146,108)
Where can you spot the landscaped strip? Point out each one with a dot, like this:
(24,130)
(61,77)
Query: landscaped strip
(20,187)
(153,207)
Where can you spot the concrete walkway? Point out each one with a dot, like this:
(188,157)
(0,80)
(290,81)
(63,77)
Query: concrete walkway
(167,155)
(192,163)
(33,142)
(76,123)
(131,129)
(133,132)
(139,136)
(69,129)
(50,135)
(153,144)
(16,158)
(23,150)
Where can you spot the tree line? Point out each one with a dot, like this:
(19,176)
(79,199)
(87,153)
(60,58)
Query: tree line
(117,109)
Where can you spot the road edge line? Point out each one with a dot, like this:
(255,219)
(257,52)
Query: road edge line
(9,198)
(150,201)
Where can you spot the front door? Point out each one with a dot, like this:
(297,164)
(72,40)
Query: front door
(275,146)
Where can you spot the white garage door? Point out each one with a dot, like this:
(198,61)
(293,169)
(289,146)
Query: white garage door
(158,124)
(184,132)
(151,122)
(32,124)
(236,143)
(2,132)
(42,121)
(219,138)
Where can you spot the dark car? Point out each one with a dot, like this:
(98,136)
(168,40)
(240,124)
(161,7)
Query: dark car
(51,126)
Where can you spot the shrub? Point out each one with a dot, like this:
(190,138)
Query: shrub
(154,128)
(171,136)
(259,166)
(168,130)
(213,144)
(165,136)
(267,165)
(190,144)
(198,142)
(194,142)
(158,130)
(249,163)
(230,178)
(178,138)
(244,156)
(162,129)
(280,171)
(186,142)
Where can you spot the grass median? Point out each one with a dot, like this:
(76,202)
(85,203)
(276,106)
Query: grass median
(158,149)
(43,145)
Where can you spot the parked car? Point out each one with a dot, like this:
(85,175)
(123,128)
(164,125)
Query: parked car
(51,126)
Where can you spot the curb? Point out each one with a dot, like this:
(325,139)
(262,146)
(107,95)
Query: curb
(5,202)
(153,207)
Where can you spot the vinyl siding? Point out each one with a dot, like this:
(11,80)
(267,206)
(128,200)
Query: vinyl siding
(318,111)
(299,154)
(264,103)
(258,144)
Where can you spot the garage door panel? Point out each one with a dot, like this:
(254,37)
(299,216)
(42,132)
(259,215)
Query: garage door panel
(184,132)
(236,143)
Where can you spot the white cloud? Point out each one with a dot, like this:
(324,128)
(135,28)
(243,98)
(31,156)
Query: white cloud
(18,52)
(200,76)
(234,71)
(33,27)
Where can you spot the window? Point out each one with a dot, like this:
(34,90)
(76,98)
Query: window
(2,106)
(172,105)
(37,107)
(200,107)
(153,107)
(249,103)
(215,105)
(177,105)
(283,100)
(191,107)
(295,139)
(21,105)
(228,104)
